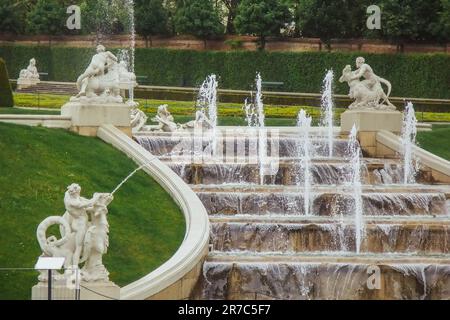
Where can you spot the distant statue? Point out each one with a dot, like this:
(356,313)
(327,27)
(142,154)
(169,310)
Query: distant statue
(104,78)
(29,76)
(201,121)
(368,93)
(165,120)
(84,233)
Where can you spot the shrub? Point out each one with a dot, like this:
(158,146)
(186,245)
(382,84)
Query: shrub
(411,75)
(6,97)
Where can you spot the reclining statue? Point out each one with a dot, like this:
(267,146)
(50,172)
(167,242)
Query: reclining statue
(165,120)
(84,234)
(29,76)
(368,93)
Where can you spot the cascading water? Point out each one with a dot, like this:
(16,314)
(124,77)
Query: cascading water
(130,9)
(409,132)
(327,109)
(304,148)
(354,153)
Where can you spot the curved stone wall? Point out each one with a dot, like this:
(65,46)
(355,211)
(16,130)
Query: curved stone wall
(176,278)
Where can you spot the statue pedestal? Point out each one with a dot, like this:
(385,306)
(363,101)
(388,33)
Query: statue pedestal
(87,118)
(23,83)
(368,122)
(89,291)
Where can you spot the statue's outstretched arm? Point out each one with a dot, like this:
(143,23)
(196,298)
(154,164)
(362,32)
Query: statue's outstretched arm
(111,56)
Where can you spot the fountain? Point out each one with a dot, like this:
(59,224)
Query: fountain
(130,9)
(409,132)
(304,124)
(327,109)
(329,215)
(355,179)
(254,115)
(207,102)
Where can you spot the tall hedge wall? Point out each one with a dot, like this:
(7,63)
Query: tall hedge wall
(411,75)
(6,96)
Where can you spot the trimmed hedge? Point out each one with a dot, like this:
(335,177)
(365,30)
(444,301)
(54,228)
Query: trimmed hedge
(411,75)
(6,96)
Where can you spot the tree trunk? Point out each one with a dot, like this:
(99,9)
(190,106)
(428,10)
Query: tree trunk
(230,23)
(262,43)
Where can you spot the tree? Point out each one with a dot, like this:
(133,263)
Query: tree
(6,96)
(198,18)
(444,21)
(406,20)
(47,17)
(261,18)
(151,18)
(104,17)
(330,19)
(231,6)
(12,16)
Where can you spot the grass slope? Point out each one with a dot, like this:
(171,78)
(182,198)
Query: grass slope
(436,141)
(36,166)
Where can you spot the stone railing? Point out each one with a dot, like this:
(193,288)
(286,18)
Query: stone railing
(49,121)
(389,144)
(176,278)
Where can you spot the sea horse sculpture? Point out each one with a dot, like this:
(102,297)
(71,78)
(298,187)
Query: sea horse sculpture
(104,78)
(84,234)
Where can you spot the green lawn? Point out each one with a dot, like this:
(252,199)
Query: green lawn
(436,141)
(225,110)
(36,166)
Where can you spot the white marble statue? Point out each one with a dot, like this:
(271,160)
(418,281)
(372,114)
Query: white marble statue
(165,120)
(367,93)
(138,120)
(84,234)
(29,76)
(103,79)
(201,121)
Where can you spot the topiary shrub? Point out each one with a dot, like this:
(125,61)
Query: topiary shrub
(6,96)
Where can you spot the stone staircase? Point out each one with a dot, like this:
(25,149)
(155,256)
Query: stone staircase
(48,87)
(264,246)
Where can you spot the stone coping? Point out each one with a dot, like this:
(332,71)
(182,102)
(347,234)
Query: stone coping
(34,117)
(194,246)
(426,158)
(48,121)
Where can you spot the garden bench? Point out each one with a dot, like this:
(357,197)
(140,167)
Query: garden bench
(272,84)
(142,80)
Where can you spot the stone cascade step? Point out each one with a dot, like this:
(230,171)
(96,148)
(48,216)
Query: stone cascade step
(243,146)
(324,277)
(414,236)
(286,172)
(327,203)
